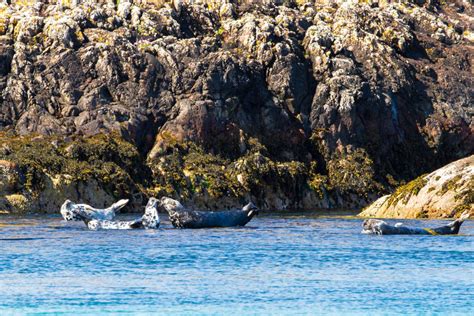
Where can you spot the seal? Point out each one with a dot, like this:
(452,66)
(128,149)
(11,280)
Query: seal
(379,227)
(180,217)
(69,211)
(149,220)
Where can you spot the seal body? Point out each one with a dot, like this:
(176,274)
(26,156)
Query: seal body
(149,220)
(183,218)
(379,227)
(100,224)
(69,211)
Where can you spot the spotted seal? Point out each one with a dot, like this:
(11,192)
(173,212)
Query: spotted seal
(180,217)
(379,227)
(149,220)
(69,211)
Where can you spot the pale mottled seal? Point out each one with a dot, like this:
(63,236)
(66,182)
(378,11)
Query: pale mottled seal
(69,210)
(183,218)
(149,220)
(379,227)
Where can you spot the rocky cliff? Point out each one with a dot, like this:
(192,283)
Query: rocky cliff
(295,104)
(446,192)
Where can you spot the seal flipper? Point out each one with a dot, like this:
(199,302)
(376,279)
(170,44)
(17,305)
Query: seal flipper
(453,227)
(109,213)
(136,224)
(119,205)
(465,215)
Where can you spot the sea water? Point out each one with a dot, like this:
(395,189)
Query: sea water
(276,265)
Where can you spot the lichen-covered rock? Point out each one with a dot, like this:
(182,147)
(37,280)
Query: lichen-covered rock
(442,193)
(361,94)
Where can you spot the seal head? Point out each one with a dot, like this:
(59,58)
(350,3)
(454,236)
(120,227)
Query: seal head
(251,209)
(68,213)
(171,206)
(151,220)
(372,226)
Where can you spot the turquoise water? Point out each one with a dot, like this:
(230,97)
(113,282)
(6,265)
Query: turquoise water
(275,265)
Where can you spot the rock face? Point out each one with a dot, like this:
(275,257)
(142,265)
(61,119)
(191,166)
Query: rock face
(39,173)
(442,193)
(297,104)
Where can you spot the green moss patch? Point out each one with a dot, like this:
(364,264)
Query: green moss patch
(405,192)
(183,170)
(450,185)
(186,171)
(113,162)
(352,171)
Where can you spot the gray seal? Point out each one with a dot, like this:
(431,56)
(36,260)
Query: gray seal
(379,227)
(149,220)
(180,217)
(69,211)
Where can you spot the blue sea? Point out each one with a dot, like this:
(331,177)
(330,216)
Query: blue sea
(277,265)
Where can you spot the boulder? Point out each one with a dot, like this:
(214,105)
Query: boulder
(446,192)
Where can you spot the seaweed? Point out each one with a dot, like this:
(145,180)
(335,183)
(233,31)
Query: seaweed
(405,192)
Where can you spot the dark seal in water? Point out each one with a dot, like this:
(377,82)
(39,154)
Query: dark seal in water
(183,218)
(379,227)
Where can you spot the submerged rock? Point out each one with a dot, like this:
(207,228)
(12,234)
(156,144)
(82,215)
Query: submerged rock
(446,192)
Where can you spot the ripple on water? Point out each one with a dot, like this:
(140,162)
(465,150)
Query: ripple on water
(275,265)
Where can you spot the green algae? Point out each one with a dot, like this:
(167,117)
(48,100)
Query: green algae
(405,192)
(187,171)
(450,185)
(181,169)
(352,171)
(466,197)
(422,214)
(111,161)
